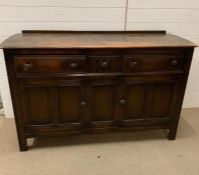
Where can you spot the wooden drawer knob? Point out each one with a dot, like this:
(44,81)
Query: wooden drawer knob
(174,62)
(133,64)
(122,102)
(104,64)
(74,65)
(27,66)
(83,103)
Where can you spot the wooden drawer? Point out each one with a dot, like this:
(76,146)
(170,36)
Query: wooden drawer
(105,63)
(150,62)
(50,64)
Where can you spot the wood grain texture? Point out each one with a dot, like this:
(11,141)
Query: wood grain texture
(70,82)
(94,40)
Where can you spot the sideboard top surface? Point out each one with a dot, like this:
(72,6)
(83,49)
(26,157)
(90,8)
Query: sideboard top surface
(35,39)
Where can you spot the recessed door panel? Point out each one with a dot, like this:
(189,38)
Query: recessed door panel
(38,105)
(69,99)
(102,95)
(161,99)
(135,101)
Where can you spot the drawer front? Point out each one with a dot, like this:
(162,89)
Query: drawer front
(105,63)
(152,62)
(50,64)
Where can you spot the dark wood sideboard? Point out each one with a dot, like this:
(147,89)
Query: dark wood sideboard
(72,82)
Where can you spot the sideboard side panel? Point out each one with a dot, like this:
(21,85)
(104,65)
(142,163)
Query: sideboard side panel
(15,95)
(188,54)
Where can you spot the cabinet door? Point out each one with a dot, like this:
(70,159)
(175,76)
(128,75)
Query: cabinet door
(102,102)
(163,97)
(36,104)
(71,102)
(151,100)
(134,99)
(53,102)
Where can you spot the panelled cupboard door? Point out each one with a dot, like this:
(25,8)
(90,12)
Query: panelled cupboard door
(98,102)
(54,102)
(163,98)
(102,96)
(134,99)
(149,100)
(71,100)
(37,108)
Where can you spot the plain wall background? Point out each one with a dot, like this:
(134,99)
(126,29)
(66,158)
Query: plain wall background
(180,17)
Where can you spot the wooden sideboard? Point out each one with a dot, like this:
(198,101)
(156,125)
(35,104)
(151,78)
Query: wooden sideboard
(72,82)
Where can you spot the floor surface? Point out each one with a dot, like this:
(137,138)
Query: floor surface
(132,153)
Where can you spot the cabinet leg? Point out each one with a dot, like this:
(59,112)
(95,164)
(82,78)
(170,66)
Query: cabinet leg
(172,133)
(22,140)
(173,129)
(23,146)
